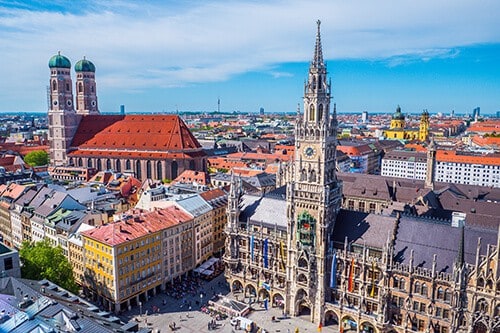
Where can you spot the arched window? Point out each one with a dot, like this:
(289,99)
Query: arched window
(138,171)
(402,284)
(80,162)
(99,165)
(92,88)
(148,170)
(128,165)
(480,282)
(80,87)
(108,164)
(489,284)
(424,290)
(447,296)
(67,86)
(118,166)
(482,305)
(302,263)
(159,174)
(417,289)
(173,170)
(311,113)
(395,282)
(89,163)
(54,85)
(320,112)
(440,293)
(191,165)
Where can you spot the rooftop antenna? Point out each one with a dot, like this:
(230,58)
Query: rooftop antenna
(218,104)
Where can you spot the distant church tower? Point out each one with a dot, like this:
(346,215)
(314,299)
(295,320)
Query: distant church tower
(313,196)
(63,120)
(423,132)
(86,94)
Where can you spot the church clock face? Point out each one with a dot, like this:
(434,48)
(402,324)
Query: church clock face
(310,151)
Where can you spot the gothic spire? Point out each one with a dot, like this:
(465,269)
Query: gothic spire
(318,51)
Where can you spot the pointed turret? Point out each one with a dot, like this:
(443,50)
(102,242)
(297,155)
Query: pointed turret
(318,51)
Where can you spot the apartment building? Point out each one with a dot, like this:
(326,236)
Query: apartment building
(127,262)
(467,168)
(404,164)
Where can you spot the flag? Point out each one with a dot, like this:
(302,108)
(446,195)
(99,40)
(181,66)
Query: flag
(282,252)
(320,327)
(350,285)
(266,244)
(266,304)
(372,292)
(265,285)
(251,247)
(333,280)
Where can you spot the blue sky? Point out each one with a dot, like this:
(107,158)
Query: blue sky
(159,56)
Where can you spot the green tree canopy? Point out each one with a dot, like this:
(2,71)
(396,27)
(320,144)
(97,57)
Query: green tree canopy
(36,158)
(43,261)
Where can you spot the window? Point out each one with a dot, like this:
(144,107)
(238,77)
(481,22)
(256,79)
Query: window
(8,264)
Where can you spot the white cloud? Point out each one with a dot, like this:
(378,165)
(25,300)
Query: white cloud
(167,45)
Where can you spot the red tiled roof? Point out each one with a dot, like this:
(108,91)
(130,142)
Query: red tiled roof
(137,226)
(134,154)
(213,194)
(192,176)
(452,156)
(134,132)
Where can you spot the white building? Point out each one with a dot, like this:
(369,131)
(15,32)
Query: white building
(467,168)
(404,164)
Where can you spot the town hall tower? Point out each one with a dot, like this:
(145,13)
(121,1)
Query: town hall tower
(313,196)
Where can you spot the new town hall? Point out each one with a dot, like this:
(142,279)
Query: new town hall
(425,261)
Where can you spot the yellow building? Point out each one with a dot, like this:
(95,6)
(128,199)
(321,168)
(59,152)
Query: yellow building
(398,130)
(217,198)
(75,252)
(124,261)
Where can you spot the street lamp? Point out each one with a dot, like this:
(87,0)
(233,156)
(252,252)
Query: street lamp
(201,299)
(140,309)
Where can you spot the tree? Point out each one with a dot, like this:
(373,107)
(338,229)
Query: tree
(43,261)
(36,158)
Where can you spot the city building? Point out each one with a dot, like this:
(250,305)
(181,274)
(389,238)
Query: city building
(404,164)
(9,261)
(423,258)
(150,146)
(398,130)
(128,261)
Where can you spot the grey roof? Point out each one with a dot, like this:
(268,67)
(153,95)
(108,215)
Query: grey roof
(428,237)
(362,228)
(406,155)
(268,210)
(47,310)
(194,205)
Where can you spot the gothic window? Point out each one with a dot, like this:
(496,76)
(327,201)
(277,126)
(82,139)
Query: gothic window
(447,296)
(482,305)
(303,263)
(302,278)
(320,112)
(314,82)
(159,174)
(489,284)
(417,289)
(80,87)
(497,310)
(54,85)
(138,171)
(395,282)
(424,289)
(311,112)
(173,170)
(402,284)
(148,170)
(306,228)
(191,165)
(440,293)
(118,166)
(128,165)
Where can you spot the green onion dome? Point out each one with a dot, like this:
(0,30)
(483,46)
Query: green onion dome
(59,61)
(84,65)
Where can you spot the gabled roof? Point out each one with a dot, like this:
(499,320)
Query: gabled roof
(134,132)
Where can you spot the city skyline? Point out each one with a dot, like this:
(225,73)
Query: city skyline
(160,57)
